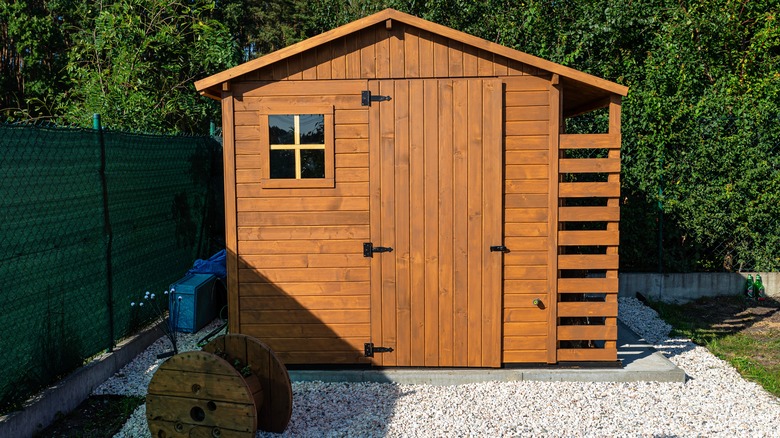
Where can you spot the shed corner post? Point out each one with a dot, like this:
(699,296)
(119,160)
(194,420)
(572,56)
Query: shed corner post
(231,226)
(556,122)
(614,153)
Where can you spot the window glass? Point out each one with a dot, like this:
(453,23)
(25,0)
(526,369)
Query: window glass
(283,163)
(312,128)
(281,128)
(312,163)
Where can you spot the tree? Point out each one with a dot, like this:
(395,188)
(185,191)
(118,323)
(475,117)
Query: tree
(134,62)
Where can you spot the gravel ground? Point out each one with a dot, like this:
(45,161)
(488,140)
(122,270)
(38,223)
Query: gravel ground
(715,401)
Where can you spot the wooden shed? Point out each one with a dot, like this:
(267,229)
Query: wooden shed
(399,193)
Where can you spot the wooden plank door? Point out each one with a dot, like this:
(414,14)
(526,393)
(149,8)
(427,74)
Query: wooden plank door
(436,198)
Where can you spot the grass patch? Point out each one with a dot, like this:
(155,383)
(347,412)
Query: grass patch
(743,332)
(99,416)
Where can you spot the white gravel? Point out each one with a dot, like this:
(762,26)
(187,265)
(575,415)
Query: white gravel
(715,401)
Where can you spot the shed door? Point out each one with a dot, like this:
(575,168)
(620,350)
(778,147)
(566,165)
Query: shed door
(436,199)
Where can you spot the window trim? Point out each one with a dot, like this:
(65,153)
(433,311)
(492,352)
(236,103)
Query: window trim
(265,148)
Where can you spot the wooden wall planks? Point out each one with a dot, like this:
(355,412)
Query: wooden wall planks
(526,211)
(402,52)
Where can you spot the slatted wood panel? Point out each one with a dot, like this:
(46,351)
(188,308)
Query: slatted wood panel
(526,215)
(587,329)
(437,201)
(303,285)
(402,52)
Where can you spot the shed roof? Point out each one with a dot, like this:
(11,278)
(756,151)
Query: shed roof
(593,90)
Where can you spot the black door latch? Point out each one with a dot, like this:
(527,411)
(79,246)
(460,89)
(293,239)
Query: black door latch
(499,248)
(369,249)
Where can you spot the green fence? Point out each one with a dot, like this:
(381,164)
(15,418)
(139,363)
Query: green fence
(91,220)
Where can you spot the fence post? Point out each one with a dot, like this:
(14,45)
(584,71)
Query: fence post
(107,231)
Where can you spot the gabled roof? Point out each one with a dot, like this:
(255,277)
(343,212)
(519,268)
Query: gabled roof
(209,86)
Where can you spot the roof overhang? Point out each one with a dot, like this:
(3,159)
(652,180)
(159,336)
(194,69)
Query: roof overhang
(597,88)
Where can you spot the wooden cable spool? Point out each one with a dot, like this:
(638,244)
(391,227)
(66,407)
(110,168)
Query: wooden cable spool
(232,387)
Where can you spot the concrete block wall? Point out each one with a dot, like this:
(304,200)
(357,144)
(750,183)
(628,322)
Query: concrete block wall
(681,288)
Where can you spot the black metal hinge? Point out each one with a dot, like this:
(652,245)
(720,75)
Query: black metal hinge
(366,98)
(369,349)
(369,249)
(499,248)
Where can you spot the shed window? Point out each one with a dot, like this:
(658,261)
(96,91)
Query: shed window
(297,147)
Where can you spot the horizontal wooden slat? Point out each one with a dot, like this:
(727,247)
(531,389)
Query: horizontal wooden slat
(325,203)
(588,285)
(588,261)
(525,258)
(270,330)
(304,288)
(249,190)
(352,160)
(526,157)
(587,332)
(340,232)
(589,165)
(524,286)
(315,344)
(323,218)
(247,247)
(526,200)
(527,98)
(526,142)
(533,187)
(581,308)
(305,302)
(351,145)
(592,237)
(304,274)
(587,354)
(527,113)
(525,243)
(525,273)
(589,189)
(345,101)
(299,88)
(526,229)
(525,342)
(356,116)
(526,300)
(586,141)
(525,215)
(322,357)
(524,356)
(525,315)
(525,328)
(588,214)
(303,261)
(530,171)
(312,316)
(351,131)
(534,127)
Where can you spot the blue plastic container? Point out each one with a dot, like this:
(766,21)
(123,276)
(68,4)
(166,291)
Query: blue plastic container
(198,304)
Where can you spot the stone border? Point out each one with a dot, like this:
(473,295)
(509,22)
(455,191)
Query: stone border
(64,396)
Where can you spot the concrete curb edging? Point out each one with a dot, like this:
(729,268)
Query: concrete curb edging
(64,396)
(640,363)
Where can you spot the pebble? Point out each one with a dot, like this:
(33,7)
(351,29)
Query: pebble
(714,401)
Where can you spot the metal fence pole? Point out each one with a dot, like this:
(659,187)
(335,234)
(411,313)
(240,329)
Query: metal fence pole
(107,231)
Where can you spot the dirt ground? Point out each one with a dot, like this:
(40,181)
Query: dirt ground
(756,320)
